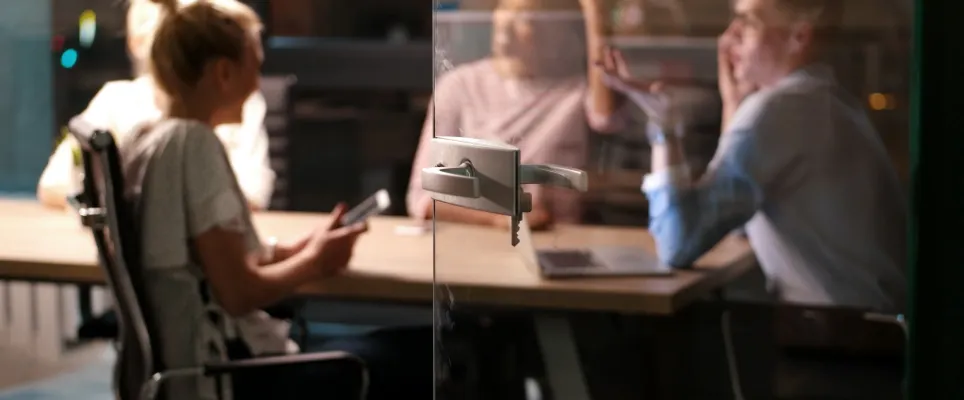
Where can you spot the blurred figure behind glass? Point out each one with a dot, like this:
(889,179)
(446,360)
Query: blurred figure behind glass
(533,92)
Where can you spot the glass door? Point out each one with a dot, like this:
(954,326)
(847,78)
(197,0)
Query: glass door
(509,157)
(935,357)
(528,175)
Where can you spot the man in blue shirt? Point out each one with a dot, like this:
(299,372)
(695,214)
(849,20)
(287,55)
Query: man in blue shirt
(798,163)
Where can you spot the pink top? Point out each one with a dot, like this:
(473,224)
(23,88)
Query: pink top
(547,119)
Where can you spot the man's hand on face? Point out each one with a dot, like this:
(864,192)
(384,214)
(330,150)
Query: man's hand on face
(732,90)
(651,96)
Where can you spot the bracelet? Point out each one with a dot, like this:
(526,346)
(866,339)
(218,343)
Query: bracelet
(268,249)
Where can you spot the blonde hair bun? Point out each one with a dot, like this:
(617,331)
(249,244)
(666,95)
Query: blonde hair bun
(199,31)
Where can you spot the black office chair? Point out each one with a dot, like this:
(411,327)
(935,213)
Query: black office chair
(139,372)
(816,338)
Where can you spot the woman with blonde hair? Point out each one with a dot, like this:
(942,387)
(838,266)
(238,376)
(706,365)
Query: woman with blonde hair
(205,271)
(122,105)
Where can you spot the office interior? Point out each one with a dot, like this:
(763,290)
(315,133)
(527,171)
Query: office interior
(347,87)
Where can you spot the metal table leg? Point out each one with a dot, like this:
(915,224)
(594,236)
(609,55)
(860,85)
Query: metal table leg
(561,358)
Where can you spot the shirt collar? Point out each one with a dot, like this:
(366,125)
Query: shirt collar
(811,72)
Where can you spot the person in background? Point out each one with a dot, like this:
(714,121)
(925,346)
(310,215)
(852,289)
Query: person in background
(798,162)
(120,106)
(197,231)
(532,92)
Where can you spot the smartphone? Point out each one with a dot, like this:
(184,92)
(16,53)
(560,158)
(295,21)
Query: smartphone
(374,205)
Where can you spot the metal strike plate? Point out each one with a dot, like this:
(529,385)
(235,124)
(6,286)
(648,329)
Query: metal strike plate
(489,167)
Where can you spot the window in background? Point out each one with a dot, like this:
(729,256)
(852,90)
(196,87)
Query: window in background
(26,102)
(368,19)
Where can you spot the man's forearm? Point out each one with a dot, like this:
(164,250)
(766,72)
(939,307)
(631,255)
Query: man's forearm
(688,219)
(667,155)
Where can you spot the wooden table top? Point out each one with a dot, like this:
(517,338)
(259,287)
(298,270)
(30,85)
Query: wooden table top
(477,264)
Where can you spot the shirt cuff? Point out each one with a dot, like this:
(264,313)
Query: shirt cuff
(676,175)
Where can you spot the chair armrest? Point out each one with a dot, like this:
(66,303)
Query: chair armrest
(329,357)
(896,319)
(836,330)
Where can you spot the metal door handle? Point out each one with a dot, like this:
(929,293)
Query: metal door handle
(554,175)
(455,181)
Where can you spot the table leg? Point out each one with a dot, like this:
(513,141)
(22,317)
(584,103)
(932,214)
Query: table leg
(84,300)
(100,302)
(21,314)
(47,333)
(561,358)
(69,312)
(4,315)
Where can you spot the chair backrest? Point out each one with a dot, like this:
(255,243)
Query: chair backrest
(111,217)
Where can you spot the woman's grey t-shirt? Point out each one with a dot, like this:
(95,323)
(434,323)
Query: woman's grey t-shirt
(179,177)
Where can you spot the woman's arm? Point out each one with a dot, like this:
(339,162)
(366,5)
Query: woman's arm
(57,177)
(603,101)
(277,252)
(237,279)
(242,284)
(218,223)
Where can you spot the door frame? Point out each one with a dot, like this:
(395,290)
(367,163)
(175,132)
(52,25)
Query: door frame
(936,311)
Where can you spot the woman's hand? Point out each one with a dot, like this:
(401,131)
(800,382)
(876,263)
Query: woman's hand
(648,95)
(651,96)
(333,244)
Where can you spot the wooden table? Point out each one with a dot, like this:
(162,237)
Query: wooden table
(477,264)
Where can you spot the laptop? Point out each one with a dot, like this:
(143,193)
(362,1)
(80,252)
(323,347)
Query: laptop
(597,261)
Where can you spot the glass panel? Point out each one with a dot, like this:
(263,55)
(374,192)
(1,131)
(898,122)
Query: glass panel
(620,292)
